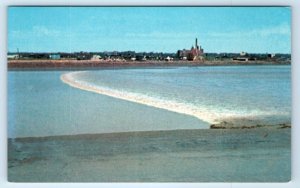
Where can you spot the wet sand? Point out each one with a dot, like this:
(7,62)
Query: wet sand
(218,155)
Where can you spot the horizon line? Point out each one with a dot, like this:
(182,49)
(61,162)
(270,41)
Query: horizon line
(147,52)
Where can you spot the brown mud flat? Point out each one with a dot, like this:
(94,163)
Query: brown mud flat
(38,64)
(251,125)
(212,155)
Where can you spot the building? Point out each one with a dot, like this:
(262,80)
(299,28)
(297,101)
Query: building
(13,56)
(243,53)
(54,56)
(195,53)
(96,57)
(83,55)
(271,55)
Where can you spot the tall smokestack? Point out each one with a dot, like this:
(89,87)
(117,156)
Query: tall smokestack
(196,44)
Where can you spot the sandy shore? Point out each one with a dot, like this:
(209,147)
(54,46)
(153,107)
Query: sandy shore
(230,155)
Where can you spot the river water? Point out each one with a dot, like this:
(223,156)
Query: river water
(42,103)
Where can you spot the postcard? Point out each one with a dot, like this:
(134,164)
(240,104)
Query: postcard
(149,94)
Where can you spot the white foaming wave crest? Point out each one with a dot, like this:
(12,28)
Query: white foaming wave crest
(202,113)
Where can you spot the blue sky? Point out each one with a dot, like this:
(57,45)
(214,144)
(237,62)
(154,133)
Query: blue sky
(158,29)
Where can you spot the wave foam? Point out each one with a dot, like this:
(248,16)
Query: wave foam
(201,113)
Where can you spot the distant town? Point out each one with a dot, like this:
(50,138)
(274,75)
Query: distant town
(195,54)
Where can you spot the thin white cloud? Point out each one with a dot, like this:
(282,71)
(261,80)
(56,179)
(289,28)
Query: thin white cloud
(35,31)
(44,31)
(283,29)
(160,35)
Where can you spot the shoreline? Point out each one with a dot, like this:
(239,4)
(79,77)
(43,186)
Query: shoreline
(90,64)
(150,133)
(154,156)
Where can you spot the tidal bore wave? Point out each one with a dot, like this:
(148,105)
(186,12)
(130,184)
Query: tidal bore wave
(201,113)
